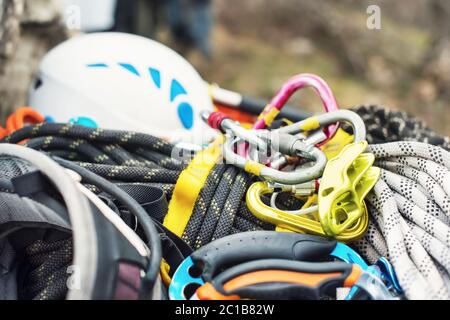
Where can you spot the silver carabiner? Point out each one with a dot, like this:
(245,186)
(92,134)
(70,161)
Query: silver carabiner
(288,145)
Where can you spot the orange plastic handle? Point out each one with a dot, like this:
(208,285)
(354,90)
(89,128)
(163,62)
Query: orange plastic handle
(267,276)
(208,292)
(21,117)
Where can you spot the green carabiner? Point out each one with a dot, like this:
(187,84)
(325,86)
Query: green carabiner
(298,223)
(346,181)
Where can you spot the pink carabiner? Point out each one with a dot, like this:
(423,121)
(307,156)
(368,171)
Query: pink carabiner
(298,82)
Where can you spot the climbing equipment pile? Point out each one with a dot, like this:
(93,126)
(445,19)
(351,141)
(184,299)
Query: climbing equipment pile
(408,204)
(351,204)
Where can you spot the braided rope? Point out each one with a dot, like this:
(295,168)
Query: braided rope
(384,125)
(410,216)
(123,156)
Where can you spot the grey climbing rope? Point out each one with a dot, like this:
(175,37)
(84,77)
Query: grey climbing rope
(410,215)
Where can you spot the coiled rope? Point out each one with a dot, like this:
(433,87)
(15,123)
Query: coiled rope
(410,205)
(123,156)
(410,213)
(384,125)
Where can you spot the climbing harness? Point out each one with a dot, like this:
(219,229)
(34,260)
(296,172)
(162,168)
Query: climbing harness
(107,254)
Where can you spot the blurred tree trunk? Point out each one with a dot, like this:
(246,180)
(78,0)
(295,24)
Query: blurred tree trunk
(28,29)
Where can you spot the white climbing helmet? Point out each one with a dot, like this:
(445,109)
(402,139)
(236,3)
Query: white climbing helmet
(123,81)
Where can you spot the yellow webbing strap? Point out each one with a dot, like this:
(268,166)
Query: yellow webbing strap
(188,187)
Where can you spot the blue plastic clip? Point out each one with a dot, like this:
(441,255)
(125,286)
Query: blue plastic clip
(382,269)
(181,279)
(389,276)
(347,254)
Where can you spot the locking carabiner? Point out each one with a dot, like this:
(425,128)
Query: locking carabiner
(284,141)
(219,121)
(270,174)
(295,83)
(316,122)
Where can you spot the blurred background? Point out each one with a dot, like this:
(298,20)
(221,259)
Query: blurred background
(254,46)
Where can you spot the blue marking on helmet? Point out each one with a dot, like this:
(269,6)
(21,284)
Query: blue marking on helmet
(185,110)
(131,68)
(186,114)
(97,65)
(156,77)
(176,89)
